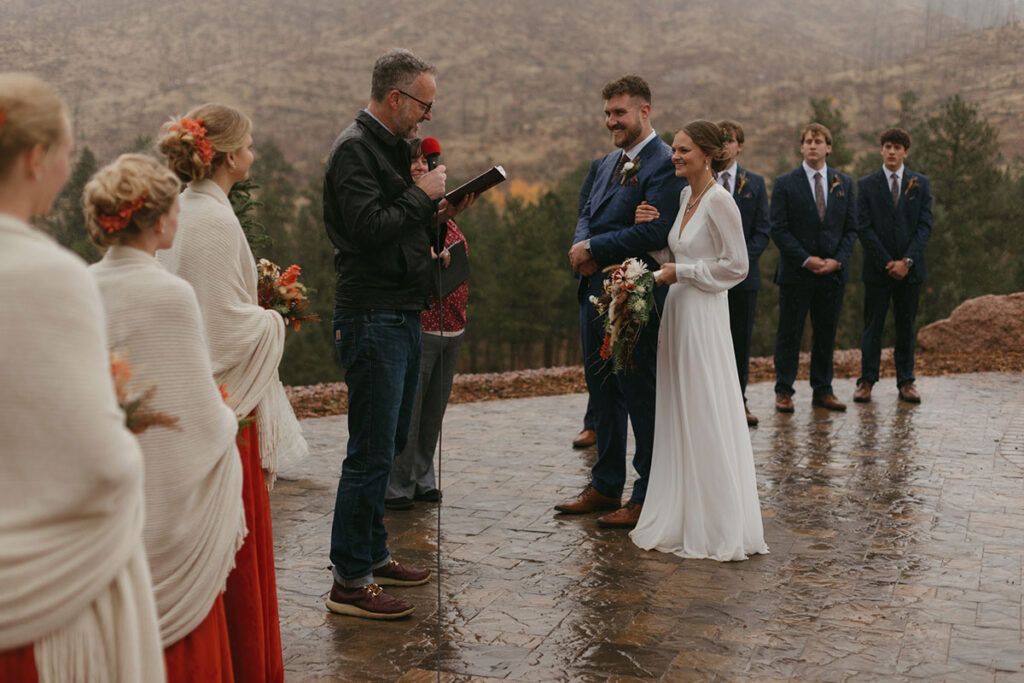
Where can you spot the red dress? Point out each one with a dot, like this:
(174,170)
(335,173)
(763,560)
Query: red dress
(19,665)
(250,600)
(204,655)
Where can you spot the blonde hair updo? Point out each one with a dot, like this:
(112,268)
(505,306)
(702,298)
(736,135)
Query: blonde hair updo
(31,113)
(133,191)
(195,145)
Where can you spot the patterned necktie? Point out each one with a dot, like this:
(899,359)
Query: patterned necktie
(725,182)
(618,169)
(819,196)
(895,190)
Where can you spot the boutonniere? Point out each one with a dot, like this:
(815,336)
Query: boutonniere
(836,182)
(911,184)
(629,169)
(742,182)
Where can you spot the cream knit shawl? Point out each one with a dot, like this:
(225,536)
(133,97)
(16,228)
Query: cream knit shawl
(195,521)
(73,574)
(246,341)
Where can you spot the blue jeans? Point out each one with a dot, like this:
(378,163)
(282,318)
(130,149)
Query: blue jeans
(380,351)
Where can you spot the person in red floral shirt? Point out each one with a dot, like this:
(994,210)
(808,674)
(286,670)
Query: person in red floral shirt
(412,476)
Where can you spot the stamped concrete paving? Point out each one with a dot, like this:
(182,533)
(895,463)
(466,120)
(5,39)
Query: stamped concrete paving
(896,534)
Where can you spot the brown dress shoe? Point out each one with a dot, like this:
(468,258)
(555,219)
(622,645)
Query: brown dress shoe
(908,393)
(589,500)
(394,574)
(751,418)
(783,403)
(863,393)
(828,401)
(585,439)
(625,517)
(368,602)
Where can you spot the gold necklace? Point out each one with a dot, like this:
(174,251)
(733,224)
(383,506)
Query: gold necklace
(692,204)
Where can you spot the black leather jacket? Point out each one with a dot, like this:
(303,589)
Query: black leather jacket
(378,221)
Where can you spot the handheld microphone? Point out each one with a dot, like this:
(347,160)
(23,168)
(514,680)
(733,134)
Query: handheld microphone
(431,150)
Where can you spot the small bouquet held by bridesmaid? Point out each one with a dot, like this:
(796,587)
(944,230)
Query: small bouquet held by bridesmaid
(626,302)
(138,416)
(282,292)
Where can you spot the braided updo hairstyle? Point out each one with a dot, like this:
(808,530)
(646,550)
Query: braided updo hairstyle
(709,137)
(121,184)
(224,128)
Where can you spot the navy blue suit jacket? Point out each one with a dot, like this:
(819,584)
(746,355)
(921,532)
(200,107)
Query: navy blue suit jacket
(799,233)
(751,197)
(608,217)
(891,233)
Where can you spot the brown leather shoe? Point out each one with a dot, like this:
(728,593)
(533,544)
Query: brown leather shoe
(908,393)
(783,403)
(585,439)
(625,517)
(828,401)
(394,574)
(368,602)
(751,418)
(863,393)
(589,500)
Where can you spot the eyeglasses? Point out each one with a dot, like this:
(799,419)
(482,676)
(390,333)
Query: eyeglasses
(426,105)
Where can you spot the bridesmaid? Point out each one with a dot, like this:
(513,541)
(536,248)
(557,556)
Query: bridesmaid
(210,148)
(195,521)
(76,601)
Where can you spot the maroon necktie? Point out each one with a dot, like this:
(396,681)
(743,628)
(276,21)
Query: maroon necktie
(895,190)
(725,182)
(618,169)
(819,196)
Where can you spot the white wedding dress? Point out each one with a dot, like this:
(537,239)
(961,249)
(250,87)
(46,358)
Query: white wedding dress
(702,498)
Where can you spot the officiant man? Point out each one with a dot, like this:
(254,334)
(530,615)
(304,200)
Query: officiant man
(748,191)
(379,222)
(606,234)
(894,215)
(814,224)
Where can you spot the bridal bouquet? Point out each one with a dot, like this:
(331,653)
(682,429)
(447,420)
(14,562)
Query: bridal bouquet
(138,416)
(284,293)
(626,302)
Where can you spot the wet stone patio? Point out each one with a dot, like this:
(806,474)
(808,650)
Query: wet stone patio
(896,535)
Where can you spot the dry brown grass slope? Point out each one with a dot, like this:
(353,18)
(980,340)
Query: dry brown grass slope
(519,82)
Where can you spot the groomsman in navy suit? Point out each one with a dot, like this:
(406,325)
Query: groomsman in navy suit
(588,435)
(607,234)
(748,190)
(894,214)
(814,225)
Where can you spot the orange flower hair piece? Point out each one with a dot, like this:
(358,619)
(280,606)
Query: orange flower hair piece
(198,132)
(123,217)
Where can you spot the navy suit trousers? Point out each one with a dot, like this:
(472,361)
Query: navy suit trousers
(823,300)
(616,397)
(742,304)
(904,296)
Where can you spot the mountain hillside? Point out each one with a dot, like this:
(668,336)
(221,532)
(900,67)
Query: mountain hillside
(518,83)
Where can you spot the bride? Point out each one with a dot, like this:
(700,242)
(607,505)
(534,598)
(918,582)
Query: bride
(702,499)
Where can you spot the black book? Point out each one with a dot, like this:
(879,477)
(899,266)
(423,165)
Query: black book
(478,185)
(457,271)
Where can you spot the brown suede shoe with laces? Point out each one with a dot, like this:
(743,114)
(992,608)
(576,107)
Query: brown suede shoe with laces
(625,517)
(368,602)
(394,574)
(863,393)
(908,393)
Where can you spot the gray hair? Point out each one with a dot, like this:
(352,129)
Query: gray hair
(396,69)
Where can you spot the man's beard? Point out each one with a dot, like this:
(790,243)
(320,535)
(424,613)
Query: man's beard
(631,138)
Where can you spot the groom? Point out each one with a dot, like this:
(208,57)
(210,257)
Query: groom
(606,234)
